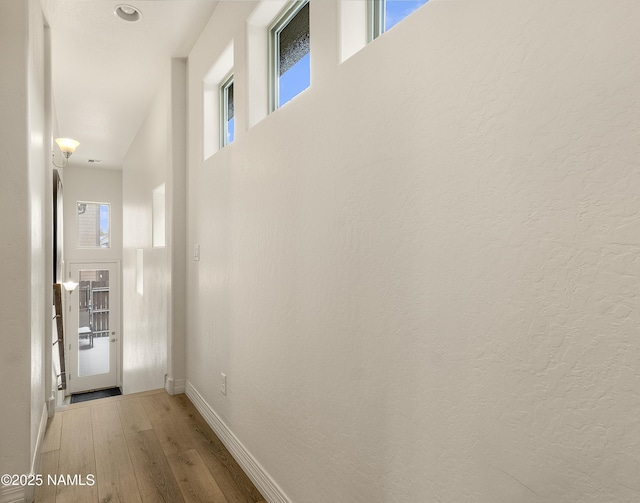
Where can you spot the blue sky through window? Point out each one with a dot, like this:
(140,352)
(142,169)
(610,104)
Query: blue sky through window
(104,217)
(295,80)
(104,225)
(228,104)
(230,130)
(397,10)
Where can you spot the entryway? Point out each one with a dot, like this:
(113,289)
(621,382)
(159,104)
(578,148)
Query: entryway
(93,316)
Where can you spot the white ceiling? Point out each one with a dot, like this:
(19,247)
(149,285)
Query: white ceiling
(106,71)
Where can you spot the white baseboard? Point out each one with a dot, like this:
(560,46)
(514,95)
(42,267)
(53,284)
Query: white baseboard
(175,386)
(262,480)
(51,406)
(12,494)
(180,386)
(35,462)
(21,494)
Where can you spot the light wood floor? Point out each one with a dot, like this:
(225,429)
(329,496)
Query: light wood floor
(146,447)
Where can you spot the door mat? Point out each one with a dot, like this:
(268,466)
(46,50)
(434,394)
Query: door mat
(94,395)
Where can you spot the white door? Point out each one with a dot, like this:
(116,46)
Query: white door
(92,327)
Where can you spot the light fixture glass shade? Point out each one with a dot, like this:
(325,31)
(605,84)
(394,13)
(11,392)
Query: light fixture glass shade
(67,145)
(70,286)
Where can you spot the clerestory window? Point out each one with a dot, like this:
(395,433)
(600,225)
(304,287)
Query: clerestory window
(93,226)
(227,130)
(290,54)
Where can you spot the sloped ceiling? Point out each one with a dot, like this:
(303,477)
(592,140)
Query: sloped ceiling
(105,71)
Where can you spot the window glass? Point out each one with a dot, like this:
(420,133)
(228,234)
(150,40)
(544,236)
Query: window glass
(215,127)
(397,10)
(384,14)
(291,54)
(295,80)
(93,225)
(226,98)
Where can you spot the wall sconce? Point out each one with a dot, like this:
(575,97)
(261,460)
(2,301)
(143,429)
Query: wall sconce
(70,286)
(67,147)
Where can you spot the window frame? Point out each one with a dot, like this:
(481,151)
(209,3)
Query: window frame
(98,247)
(280,23)
(227,82)
(375,18)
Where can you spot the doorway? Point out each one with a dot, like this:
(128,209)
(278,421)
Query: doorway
(93,323)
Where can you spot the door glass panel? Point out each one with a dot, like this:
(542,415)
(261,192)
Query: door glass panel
(93,322)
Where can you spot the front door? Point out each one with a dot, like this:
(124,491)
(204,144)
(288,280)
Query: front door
(92,327)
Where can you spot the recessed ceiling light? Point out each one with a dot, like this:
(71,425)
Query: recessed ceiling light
(127,12)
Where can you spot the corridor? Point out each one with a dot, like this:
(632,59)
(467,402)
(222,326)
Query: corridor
(143,447)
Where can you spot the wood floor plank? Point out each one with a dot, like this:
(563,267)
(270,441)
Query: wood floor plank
(186,408)
(183,405)
(161,406)
(195,481)
(133,416)
(76,458)
(223,477)
(106,422)
(173,434)
(114,471)
(235,483)
(46,493)
(216,457)
(156,481)
(52,434)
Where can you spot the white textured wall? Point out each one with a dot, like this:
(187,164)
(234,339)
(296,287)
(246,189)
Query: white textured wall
(154,321)
(24,310)
(40,243)
(144,316)
(14,247)
(421,275)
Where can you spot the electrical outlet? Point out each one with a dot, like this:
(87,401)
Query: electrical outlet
(196,252)
(223,383)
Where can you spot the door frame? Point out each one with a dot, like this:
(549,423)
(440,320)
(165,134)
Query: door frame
(115,318)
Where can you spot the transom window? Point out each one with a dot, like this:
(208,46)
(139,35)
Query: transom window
(93,225)
(227,125)
(290,56)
